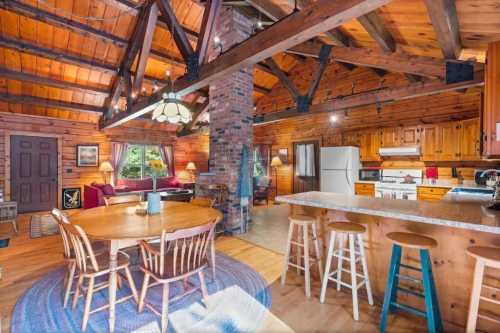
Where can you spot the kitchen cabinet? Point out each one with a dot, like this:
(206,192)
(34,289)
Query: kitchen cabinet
(491,107)
(429,141)
(448,141)
(369,144)
(389,137)
(431,193)
(470,149)
(409,136)
(366,189)
(441,142)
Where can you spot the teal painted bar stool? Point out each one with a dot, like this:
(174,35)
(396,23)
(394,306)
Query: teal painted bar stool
(423,244)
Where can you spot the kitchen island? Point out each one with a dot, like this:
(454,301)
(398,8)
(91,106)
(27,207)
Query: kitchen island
(454,225)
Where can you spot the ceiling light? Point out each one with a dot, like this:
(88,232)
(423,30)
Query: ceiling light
(217,40)
(143,89)
(260,24)
(167,72)
(171,109)
(333,118)
(133,95)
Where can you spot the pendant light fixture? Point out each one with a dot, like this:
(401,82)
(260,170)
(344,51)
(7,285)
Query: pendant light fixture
(171,109)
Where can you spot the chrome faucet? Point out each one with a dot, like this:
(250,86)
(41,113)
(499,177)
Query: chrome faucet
(496,186)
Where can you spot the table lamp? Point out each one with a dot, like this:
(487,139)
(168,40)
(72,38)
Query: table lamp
(275,163)
(191,168)
(106,168)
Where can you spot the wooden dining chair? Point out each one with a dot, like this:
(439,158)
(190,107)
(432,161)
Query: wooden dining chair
(207,202)
(120,199)
(181,254)
(91,267)
(69,255)
(203,201)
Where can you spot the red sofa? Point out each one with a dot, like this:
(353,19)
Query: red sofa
(93,194)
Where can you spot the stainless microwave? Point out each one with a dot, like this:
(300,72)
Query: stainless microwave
(369,174)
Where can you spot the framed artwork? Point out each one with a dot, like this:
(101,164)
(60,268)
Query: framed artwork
(72,198)
(283,155)
(87,155)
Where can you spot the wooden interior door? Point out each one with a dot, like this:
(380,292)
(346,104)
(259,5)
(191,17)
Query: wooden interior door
(33,173)
(301,183)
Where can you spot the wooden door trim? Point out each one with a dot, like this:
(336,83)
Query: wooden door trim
(7,147)
(318,167)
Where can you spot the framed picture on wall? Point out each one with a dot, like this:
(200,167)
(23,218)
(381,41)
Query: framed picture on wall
(87,155)
(283,155)
(71,198)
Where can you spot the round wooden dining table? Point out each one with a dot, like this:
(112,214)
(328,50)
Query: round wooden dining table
(122,227)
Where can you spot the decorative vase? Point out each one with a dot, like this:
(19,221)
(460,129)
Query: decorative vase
(154,201)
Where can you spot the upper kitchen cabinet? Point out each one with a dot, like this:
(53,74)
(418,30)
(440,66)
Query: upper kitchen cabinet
(369,144)
(429,142)
(449,141)
(409,136)
(441,142)
(389,137)
(491,112)
(470,149)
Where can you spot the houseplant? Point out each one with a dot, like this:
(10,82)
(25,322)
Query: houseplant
(154,199)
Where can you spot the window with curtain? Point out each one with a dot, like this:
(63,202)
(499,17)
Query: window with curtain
(261,155)
(135,163)
(305,160)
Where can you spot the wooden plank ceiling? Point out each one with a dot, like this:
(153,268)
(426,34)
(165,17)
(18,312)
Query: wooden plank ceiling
(65,54)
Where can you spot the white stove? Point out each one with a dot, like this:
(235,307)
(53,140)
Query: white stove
(394,185)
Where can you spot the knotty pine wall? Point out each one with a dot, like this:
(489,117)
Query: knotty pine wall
(339,81)
(193,148)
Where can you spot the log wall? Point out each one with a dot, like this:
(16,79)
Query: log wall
(192,148)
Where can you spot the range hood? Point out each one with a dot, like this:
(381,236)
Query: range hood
(400,151)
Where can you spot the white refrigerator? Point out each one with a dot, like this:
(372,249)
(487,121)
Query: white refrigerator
(339,169)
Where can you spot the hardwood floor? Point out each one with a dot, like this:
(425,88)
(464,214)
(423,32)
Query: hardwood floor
(26,260)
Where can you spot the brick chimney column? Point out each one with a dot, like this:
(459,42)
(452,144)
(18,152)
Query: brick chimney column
(231,116)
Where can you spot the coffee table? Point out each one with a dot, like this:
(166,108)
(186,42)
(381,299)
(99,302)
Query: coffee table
(183,195)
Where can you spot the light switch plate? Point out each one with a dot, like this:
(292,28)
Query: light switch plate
(497,127)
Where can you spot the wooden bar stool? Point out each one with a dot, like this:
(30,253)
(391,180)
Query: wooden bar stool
(485,257)
(304,222)
(423,244)
(354,233)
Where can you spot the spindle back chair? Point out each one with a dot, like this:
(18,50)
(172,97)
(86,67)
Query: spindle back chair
(179,255)
(91,266)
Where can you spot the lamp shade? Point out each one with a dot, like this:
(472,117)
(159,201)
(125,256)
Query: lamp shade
(191,166)
(276,162)
(106,167)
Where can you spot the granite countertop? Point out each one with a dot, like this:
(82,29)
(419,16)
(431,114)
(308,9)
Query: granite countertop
(465,215)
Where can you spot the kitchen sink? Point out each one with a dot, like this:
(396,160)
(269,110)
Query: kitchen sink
(472,191)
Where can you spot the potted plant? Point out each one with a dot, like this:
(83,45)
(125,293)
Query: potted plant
(154,198)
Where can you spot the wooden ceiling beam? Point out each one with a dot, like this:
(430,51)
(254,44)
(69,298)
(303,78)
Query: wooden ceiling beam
(375,27)
(176,29)
(23,46)
(324,56)
(443,14)
(261,89)
(61,22)
(50,103)
(144,51)
(122,81)
(26,77)
(392,62)
(210,14)
(372,23)
(284,79)
(383,95)
(316,18)
(196,113)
